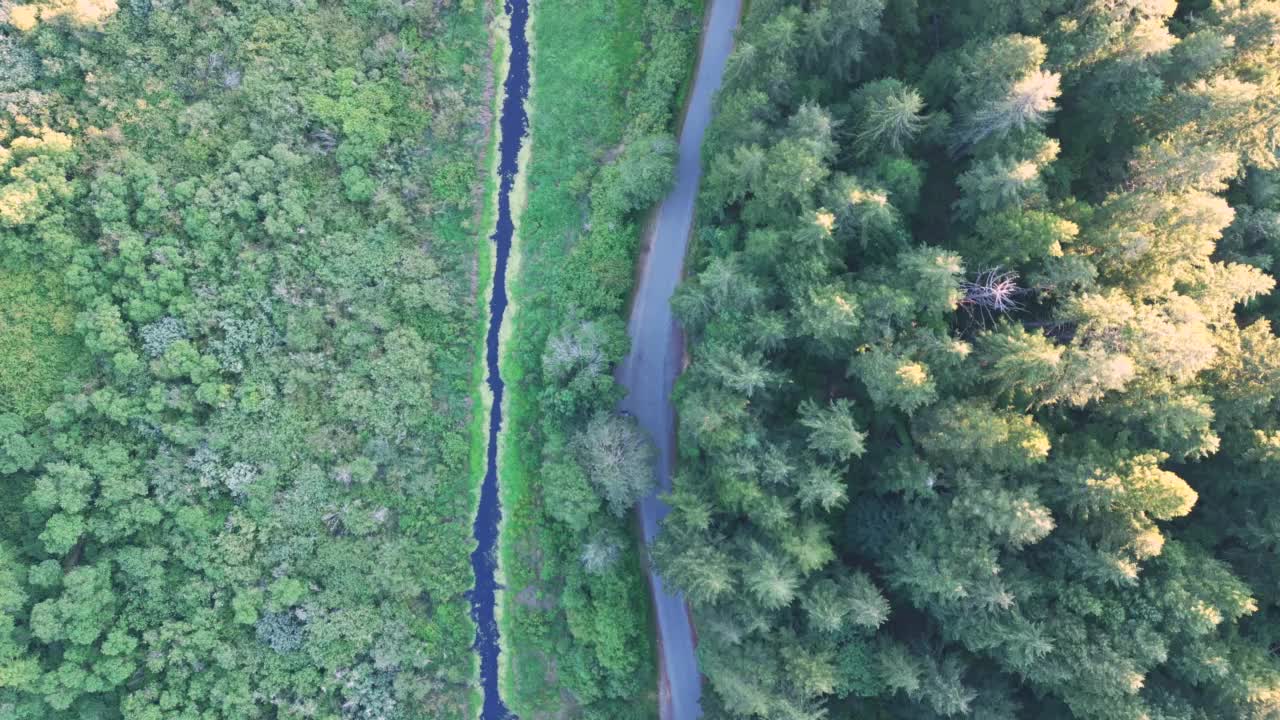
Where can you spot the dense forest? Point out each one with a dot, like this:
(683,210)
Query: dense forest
(981,415)
(608,78)
(240,328)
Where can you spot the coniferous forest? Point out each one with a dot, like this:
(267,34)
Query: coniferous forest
(979,412)
(980,416)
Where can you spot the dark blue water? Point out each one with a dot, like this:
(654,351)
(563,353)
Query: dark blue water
(514,123)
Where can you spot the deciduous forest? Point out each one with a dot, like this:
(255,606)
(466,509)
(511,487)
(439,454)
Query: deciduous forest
(240,332)
(981,412)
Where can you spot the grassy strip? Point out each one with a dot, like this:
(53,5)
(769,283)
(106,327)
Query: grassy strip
(605,74)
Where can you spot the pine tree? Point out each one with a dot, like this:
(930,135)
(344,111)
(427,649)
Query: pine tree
(891,114)
(832,431)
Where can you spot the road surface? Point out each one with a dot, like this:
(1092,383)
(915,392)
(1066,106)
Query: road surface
(649,372)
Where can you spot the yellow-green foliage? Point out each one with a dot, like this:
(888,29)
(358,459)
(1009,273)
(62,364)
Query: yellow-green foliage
(38,347)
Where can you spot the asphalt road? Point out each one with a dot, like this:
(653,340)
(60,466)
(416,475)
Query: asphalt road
(649,372)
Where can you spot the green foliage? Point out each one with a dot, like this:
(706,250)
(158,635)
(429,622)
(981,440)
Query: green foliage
(569,495)
(452,183)
(831,430)
(644,172)
(358,185)
(890,115)
(617,459)
(37,340)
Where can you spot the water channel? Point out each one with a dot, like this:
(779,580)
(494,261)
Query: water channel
(513,124)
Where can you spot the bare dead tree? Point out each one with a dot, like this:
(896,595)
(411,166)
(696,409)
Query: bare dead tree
(992,292)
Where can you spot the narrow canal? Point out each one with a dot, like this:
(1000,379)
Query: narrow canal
(513,124)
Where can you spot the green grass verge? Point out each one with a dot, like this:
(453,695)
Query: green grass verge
(603,72)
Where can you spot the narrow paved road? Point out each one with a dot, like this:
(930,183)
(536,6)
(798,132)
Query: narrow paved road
(649,372)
